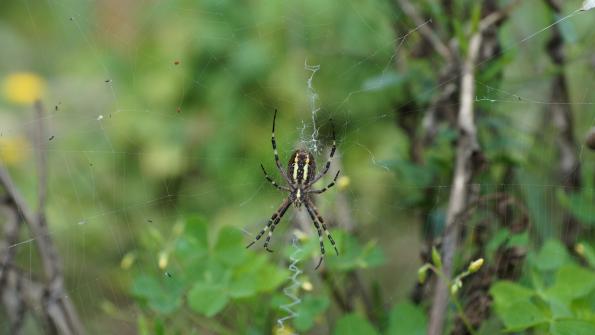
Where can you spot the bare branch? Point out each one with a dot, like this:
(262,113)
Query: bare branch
(11,235)
(467,152)
(497,17)
(426,31)
(42,159)
(60,313)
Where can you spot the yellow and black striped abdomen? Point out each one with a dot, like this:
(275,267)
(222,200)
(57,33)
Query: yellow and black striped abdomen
(301,167)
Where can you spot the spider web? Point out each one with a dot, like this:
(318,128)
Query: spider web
(118,109)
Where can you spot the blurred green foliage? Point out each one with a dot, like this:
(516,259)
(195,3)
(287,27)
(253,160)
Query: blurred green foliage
(558,299)
(161,113)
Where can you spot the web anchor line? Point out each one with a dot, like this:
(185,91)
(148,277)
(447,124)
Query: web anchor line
(292,290)
(312,99)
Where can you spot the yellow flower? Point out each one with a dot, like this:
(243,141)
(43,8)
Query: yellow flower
(580,249)
(343,182)
(283,331)
(307,286)
(23,87)
(163,260)
(127,260)
(13,150)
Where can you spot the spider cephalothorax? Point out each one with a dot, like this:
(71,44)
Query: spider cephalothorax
(300,176)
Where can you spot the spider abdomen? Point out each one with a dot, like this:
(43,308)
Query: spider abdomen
(301,167)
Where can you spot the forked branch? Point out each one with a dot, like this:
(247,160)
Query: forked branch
(49,294)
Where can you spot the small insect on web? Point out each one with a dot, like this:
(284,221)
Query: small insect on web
(300,176)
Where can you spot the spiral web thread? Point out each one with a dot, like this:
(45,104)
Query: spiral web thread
(292,290)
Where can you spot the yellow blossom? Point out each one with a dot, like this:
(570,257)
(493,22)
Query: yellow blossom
(23,87)
(343,182)
(580,249)
(307,286)
(13,150)
(163,260)
(283,331)
(127,260)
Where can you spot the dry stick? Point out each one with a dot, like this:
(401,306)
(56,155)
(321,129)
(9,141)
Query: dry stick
(426,31)
(467,149)
(61,314)
(13,303)
(570,166)
(42,160)
(11,235)
(22,294)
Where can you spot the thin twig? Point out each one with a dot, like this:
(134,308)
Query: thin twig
(42,159)
(426,31)
(496,17)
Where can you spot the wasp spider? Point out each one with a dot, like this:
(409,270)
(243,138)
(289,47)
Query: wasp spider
(300,176)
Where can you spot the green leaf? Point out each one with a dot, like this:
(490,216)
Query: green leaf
(229,248)
(572,282)
(407,319)
(196,227)
(353,324)
(572,327)
(270,277)
(190,255)
(308,310)
(255,275)
(587,252)
(579,204)
(211,292)
(207,298)
(521,315)
(506,293)
(497,240)
(559,308)
(163,296)
(244,281)
(513,305)
(552,255)
(519,240)
(356,256)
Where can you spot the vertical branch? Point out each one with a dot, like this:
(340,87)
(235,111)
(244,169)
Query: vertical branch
(38,224)
(42,160)
(569,167)
(55,305)
(467,155)
(11,235)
